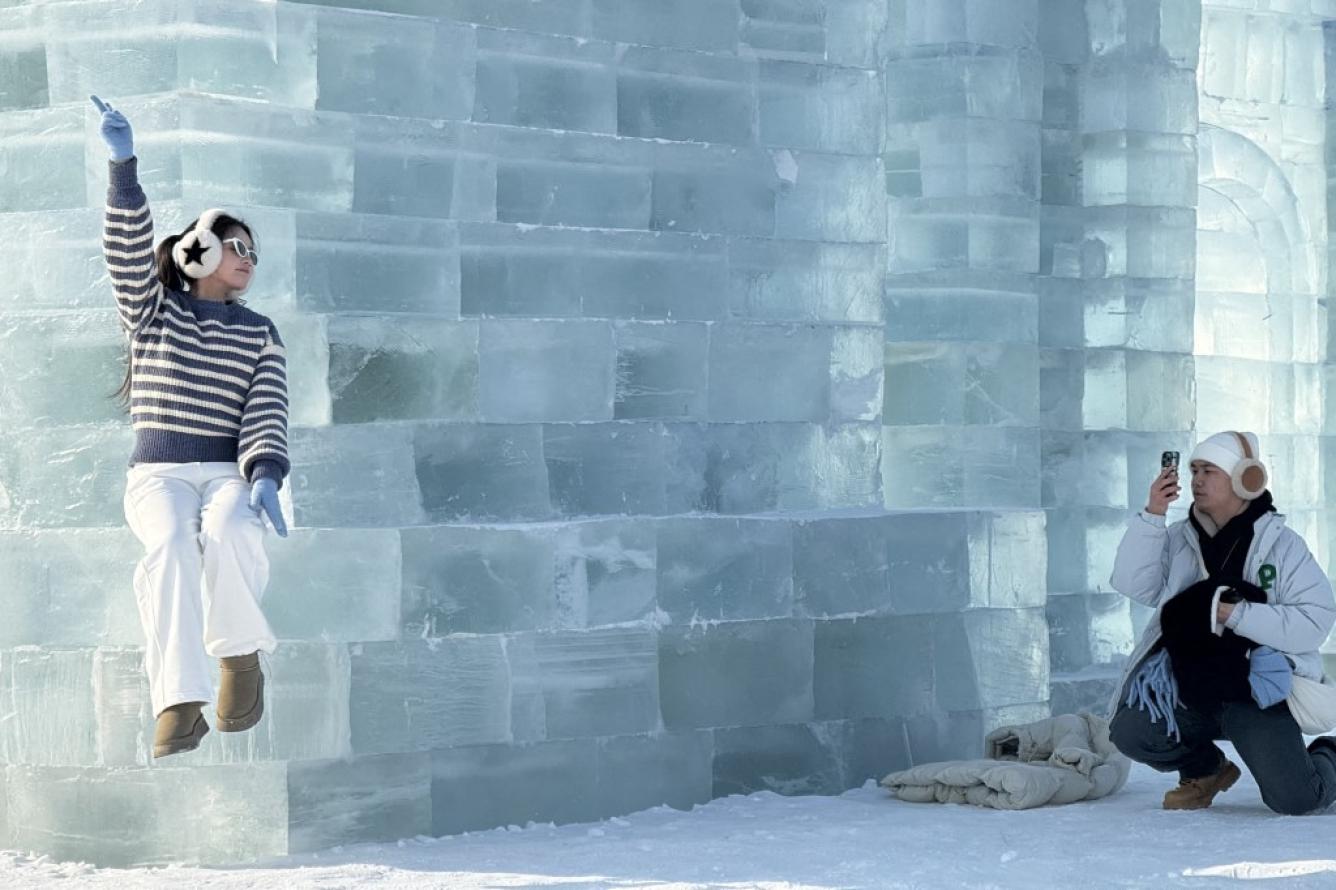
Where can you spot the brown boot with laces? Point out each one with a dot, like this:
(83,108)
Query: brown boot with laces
(1197,794)
(240,692)
(179,729)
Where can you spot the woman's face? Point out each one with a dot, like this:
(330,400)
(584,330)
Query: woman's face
(235,271)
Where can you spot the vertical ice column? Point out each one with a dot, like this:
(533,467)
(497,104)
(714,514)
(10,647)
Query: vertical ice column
(1116,311)
(964,87)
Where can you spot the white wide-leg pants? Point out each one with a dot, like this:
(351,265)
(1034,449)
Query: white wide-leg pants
(204,571)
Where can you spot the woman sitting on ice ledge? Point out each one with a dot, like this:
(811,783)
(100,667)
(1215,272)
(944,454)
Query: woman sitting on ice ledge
(207,389)
(1241,609)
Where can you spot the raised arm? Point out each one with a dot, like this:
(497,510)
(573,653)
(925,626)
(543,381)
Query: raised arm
(127,232)
(1141,567)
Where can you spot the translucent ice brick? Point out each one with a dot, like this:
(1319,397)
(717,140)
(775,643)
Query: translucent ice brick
(377,798)
(423,694)
(974,383)
(736,673)
(382,455)
(991,657)
(856,373)
(690,24)
(23,70)
(804,281)
(361,262)
(830,198)
(335,584)
(409,167)
(384,369)
(481,471)
(958,466)
(661,370)
(119,817)
(64,476)
(606,572)
(477,580)
(531,370)
(537,81)
(769,372)
(388,65)
(720,568)
(245,49)
(789,760)
(42,152)
(685,96)
(784,30)
(605,468)
(652,769)
(53,362)
(482,786)
(1011,24)
(961,305)
(856,656)
(715,195)
(46,696)
(1087,629)
(597,682)
(516,270)
(69,587)
(819,108)
(53,260)
(1008,554)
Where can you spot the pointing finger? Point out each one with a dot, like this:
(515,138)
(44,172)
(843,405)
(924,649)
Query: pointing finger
(101,106)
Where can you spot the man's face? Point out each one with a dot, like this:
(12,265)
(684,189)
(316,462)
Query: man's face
(1211,488)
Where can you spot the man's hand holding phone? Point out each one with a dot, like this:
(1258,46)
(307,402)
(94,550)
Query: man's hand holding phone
(1164,490)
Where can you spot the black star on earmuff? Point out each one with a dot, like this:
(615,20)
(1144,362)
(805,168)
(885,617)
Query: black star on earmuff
(195,253)
(199,251)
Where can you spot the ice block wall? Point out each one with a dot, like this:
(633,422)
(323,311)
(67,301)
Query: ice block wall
(690,397)
(587,338)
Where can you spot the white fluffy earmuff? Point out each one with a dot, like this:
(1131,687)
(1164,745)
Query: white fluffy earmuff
(1249,477)
(200,251)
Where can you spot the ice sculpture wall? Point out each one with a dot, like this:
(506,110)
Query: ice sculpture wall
(690,396)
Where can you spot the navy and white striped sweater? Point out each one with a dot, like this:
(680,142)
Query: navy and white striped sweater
(208,379)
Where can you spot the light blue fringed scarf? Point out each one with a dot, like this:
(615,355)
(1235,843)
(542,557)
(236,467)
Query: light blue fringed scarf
(1155,691)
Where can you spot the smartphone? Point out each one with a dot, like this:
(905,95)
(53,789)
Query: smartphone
(1169,460)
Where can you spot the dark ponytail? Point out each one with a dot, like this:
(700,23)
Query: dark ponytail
(171,278)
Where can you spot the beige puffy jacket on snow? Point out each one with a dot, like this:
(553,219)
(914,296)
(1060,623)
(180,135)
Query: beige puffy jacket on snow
(1054,761)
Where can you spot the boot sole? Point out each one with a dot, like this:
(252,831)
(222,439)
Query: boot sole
(246,721)
(185,743)
(1234,774)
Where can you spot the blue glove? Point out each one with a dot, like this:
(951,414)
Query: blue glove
(264,496)
(1269,675)
(115,131)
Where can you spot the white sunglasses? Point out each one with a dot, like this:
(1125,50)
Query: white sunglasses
(239,247)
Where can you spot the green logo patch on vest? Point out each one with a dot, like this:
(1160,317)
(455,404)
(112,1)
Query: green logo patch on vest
(1266,576)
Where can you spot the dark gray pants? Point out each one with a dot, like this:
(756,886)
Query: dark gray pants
(1294,780)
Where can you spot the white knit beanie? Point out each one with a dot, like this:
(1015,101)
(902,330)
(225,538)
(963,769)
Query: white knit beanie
(1226,452)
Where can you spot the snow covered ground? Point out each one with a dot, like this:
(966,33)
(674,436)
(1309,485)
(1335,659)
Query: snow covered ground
(863,839)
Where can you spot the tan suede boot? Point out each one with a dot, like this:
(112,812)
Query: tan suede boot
(240,693)
(179,729)
(1197,794)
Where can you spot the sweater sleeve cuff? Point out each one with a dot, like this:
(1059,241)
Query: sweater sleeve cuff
(123,175)
(267,469)
(1236,615)
(1152,519)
